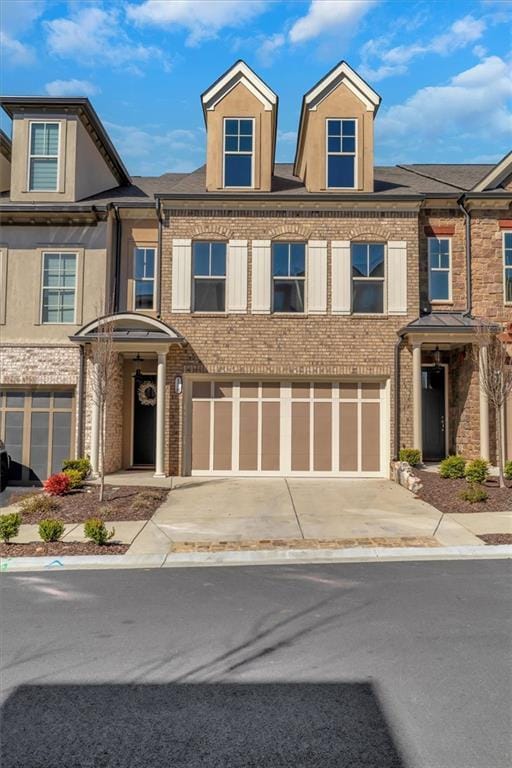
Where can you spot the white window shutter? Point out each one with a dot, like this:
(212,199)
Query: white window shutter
(397,277)
(236,276)
(341,277)
(261,278)
(316,277)
(181,275)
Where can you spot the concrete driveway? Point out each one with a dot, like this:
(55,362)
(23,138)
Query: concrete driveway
(232,509)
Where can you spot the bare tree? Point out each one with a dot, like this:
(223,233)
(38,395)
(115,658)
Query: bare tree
(495,373)
(103,359)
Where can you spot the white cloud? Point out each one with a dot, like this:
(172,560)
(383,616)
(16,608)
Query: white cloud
(94,36)
(13,26)
(480,51)
(394,61)
(150,152)
(14,52)
(474,104)
(269,47)
(329,17)
(71,88)
(203,19)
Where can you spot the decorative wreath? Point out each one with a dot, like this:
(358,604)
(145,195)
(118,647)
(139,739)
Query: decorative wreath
(147,393)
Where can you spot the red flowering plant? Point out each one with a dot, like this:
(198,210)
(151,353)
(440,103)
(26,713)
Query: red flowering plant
(57,485)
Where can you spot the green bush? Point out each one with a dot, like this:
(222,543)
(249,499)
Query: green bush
(39,503)
(9,526)
(51,530)
(477,471)
(76,479)
(452,467)
(81,465)
(508,470)
(96,530)
(474,494)
(411,455)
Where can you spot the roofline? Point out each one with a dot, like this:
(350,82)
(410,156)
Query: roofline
(430,176)
(313,196)
(226,72)
(140,317)
(497,174)
(78,103)
(5,145)
(37,207)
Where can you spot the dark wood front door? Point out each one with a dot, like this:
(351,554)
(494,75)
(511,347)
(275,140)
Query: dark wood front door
(434,413)
(144,412)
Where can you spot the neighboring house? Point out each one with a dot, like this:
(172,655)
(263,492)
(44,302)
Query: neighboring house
(305,319)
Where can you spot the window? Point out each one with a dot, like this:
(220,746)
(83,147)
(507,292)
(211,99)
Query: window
(439,269)
(44,157)
(59,287)
(507,260)
(144,272)
(367,278)
(209,271)
(341,154)
(238,152)
(288,276)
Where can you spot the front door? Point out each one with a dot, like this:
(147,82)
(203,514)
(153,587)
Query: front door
(434,412)
(144,401)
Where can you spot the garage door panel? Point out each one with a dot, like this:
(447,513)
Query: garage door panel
(348,437)
(60,439)
(14,442)
(222,435)
(322,440)
(370,437)
(248,442)
(300,437)
(270,437)
(39,445)
(201,434)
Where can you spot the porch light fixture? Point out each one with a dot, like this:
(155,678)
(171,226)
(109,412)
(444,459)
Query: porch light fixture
(178,385)
(437,357)
(138,372)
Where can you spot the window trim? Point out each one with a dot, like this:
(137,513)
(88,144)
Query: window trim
(49,251)
(449,300)
(354,154)
(31,156)
(383,280)
(144,279)
(208,277)
(505,267)
(252,153)
(273,311)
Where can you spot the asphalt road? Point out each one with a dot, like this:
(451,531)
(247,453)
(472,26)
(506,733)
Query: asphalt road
(399,665)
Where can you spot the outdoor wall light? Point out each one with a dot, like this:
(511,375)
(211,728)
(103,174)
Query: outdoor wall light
(178,385)
(437,357)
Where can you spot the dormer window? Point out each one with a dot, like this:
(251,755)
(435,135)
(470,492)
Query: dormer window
(341,154)
(44,157)
(238,152)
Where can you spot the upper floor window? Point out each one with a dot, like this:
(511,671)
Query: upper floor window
(144,272)
(209,276)
(44,157)
(288,276)
(341,154)
(367,278)
(439,277)
(59,287)
(238,152)
(507,265)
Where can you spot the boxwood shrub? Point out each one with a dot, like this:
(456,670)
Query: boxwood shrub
(452,467)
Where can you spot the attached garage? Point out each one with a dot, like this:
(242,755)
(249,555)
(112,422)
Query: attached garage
(36,427)
(289,428)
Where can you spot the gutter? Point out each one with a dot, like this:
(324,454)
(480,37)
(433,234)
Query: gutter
(158,207)
(117,258)
(469,285)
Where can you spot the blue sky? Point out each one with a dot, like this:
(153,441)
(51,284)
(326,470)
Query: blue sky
(442,68)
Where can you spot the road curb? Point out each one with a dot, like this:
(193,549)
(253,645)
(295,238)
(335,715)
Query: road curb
(255,557)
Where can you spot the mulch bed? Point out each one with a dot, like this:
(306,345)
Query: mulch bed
(496,538)
(40,549)
(130,502)
(445,494)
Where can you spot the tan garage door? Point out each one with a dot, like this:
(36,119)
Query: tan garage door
(287,428)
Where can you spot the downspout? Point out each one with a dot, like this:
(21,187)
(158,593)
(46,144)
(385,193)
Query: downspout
(398,345)
(80,403)
(469,286)
(158,208)
(117,258)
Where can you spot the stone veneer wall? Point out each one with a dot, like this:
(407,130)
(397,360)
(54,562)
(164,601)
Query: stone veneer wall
(113,415)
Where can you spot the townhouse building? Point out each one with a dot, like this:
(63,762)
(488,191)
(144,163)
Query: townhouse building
(267,318)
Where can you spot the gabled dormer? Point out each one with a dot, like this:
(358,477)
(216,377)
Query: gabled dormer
(60,151)
(5,162)
(335,139)
(240,113)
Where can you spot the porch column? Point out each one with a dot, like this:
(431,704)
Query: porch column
(484,406)
(95,424)
(417,416)
(160,414)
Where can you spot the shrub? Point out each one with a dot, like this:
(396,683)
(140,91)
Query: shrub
(57,485)
(39,503)
(452,467)
(96,530)
(9,526)
(75,478)
(508,470)
(474,494)
(81,465)
(477,471)
(51,530)
(411,455)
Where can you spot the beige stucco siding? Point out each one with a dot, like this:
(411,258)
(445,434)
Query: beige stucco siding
(136,233)
(92,173)
(5,174)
